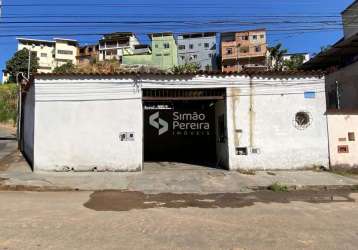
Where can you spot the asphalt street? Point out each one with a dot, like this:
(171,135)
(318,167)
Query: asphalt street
(130,220)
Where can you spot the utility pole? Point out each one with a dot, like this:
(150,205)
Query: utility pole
(29,65)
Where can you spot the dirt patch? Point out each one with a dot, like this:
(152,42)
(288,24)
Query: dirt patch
(12,158)
(128,200)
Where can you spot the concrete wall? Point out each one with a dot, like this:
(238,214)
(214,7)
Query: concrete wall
(137,59)
(28,119)
(347,78)
(339,125)
(79,122)
(262,120)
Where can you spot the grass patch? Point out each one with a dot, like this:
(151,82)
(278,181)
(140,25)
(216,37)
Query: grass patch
(278,187)
(247,172)
(8,103)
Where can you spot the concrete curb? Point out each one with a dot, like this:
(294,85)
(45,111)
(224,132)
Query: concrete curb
(309,187)
(290,188)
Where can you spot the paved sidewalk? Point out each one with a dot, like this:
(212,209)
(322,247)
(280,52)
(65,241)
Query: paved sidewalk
(171,178)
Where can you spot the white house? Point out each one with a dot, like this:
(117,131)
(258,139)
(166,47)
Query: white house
(234,121)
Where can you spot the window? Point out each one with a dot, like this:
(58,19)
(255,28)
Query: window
(254,37)
(210,55)
(90,49)
(257,48)
(166,54)
(302,120)
(182,58)
(166,45)
(244,49)
(43,54)
(262,36)
(191,46)
(206,45)
(245,37)
(199,44)
(229,51)
(156,46)
(181,47)
(65,52)
(193,57)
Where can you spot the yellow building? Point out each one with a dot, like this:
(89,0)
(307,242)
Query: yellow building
(50,53)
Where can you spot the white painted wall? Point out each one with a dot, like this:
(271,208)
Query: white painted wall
(274,105)
(340,124)
(78,121)
(78,124)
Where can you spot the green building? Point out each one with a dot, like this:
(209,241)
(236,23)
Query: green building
(164,53)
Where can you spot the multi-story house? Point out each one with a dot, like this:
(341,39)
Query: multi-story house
(115,45)
(65,51)
(199,48)
(50,53)
(244,49)
(88,53)
(164,50)
(163,54)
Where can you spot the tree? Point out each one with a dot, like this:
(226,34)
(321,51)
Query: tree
(19,63)
(276,56)
(294,62)
(190,68)
(65,68)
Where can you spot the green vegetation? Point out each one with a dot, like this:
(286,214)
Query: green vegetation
(294,63)
(19,63)
(8,103)
(65,68)
(190,68)
(277,187)
(276,56)
(247,171)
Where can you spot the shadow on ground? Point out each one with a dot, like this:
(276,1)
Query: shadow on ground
(128,200)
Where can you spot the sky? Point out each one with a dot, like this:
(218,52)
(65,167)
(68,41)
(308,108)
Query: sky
(301,25)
